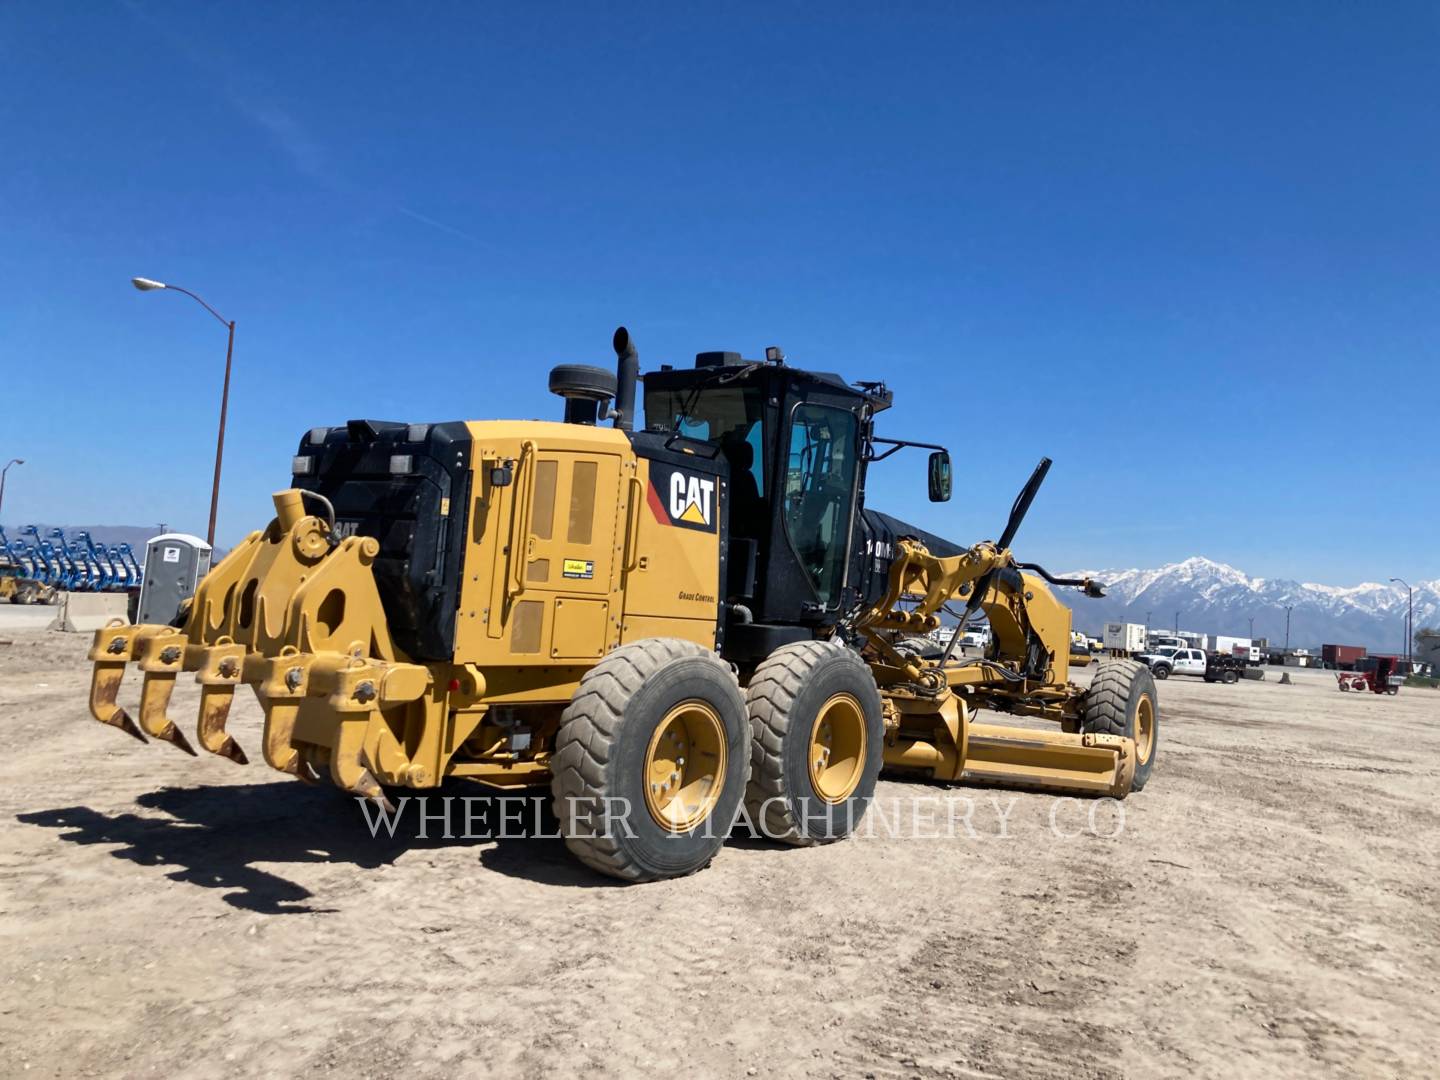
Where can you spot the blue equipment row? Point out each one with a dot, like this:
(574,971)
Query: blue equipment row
(78,564)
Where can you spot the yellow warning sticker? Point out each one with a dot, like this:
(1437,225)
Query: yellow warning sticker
(578,568)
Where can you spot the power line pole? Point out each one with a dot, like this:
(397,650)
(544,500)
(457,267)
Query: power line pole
(6,469)
(1409,619)
(1287,626)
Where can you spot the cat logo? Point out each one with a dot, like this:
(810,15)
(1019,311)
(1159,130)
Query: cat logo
(344,529)
(680,497)
(691,498)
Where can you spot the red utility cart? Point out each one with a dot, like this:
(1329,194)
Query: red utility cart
(1377,674)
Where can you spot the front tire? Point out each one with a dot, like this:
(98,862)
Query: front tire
(651,760)
(817,742)
(1160,671)
(1122,701)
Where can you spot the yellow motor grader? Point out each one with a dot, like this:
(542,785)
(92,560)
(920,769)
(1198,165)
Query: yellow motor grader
(661,621)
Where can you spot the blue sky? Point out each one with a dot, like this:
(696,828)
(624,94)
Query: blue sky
(1190,252)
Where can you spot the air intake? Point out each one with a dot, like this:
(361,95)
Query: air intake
(717,359)
(584,388)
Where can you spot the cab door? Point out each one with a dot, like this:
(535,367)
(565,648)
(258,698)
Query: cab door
(1190,662)
(817,474)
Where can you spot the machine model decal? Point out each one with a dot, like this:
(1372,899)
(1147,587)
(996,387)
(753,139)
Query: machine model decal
(881,549)
(578,568)
(679,497)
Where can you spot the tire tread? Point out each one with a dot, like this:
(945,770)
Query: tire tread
(1107,702)
(588,727)
(770,698)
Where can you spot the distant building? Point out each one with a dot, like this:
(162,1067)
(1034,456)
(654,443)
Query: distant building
(1427,648)
(1290,657)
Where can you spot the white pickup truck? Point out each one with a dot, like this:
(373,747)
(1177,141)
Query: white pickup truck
(1168,660)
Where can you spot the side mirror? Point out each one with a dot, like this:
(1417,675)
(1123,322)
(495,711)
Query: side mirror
(940,476)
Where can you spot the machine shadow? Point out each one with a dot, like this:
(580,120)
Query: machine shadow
(215,837)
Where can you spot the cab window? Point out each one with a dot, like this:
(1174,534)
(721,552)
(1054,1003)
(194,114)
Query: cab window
(820,468)
(728,417)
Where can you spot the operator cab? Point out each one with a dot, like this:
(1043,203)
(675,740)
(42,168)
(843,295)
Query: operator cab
(795,445)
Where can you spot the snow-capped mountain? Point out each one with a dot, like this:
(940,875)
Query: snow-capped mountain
(1213,598)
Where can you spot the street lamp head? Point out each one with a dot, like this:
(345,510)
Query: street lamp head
(144,284)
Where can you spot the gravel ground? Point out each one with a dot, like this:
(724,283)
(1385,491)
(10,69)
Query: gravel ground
(1265,907)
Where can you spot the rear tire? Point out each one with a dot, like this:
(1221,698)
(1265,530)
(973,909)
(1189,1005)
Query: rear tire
(817,742)
(908,649)
(640,713)
(1122,701)
(1229,677)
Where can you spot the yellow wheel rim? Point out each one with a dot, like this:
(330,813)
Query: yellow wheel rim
(837,748)
(1144,728)
(685,766)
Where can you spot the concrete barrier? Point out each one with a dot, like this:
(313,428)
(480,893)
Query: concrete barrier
(85,613)
(1254,673)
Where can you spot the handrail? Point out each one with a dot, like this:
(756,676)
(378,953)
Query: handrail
(632,524)
(525,493)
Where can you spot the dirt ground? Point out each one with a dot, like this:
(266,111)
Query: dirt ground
(1268,907)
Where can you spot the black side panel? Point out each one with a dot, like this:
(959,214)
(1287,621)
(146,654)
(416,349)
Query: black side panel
(939,547)
(749,643)
(875,550)
(417,511)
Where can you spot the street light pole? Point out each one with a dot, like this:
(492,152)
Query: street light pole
(6,469)
(146,285)
(220,439)
(1409,618)
(1287,626)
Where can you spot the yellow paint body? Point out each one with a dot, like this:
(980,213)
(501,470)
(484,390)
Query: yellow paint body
(561,566)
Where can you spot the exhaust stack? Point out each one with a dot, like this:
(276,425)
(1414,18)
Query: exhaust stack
(627,373)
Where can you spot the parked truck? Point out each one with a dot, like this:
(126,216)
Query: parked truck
(1241,647)
(1124,638)
(1342,657)
(1212,667)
